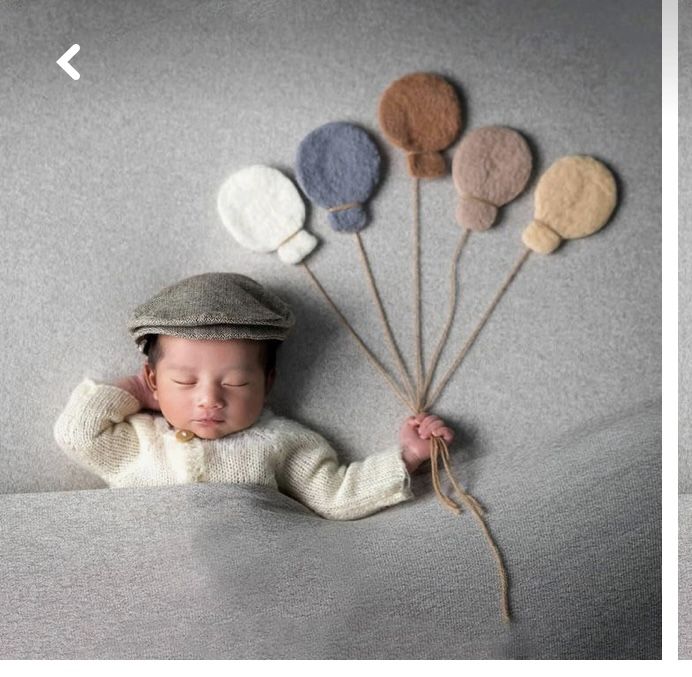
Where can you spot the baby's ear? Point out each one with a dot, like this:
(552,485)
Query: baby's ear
(149,375)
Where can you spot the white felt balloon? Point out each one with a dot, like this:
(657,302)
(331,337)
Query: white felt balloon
(263,210)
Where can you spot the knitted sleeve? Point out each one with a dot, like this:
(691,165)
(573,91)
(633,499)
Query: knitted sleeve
(91,429)
(309,470)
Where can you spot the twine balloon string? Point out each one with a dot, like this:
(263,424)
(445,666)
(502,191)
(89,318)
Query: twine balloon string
(596,194)
(588,210)
(394,348)
(286,239)
(440,450)
(410,404)
(417,292)
(344,207)
(450,317)
(474,335)
(438,447)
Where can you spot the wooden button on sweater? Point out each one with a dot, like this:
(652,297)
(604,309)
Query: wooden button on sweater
(184,435)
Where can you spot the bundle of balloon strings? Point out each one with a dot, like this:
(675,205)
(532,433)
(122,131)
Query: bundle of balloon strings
(338,168)
(597,186)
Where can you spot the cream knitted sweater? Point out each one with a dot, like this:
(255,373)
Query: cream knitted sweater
(103,429)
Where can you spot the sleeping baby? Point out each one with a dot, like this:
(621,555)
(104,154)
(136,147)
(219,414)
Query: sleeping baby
(197,412)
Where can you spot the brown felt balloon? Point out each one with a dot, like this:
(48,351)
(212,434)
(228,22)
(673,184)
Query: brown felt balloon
(491,166)
(421,114)
(574,198)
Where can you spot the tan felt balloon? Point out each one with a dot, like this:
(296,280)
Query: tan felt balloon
(421,114)
(574,198)
(491,166)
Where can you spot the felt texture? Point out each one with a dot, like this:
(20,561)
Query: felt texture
(338,164)
(264,212)
(554,435)
(212,306)
(574,198)
(421,114)
(490,167)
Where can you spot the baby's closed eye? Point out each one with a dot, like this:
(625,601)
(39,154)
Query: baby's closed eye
(232,385)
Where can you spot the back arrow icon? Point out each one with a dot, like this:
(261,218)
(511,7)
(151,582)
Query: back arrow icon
(63,62)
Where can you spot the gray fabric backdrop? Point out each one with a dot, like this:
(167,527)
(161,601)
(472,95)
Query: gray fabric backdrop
(110,189)
(685,246)
(685,328)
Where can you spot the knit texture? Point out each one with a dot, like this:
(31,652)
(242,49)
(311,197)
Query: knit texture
(490,167)
(574,198)
(263,211)
(421,114)
(338,164)
(103,429)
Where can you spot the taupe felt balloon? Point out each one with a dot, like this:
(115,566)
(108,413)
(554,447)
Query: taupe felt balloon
(574,198)
(491,166)
(421,114)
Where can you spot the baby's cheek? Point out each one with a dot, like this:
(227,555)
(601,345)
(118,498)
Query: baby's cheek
(251,401)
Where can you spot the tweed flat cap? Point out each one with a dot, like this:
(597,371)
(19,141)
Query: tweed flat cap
(212,306)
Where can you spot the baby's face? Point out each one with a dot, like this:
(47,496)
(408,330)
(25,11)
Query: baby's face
(219,379)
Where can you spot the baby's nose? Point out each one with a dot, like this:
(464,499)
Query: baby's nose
(211,396)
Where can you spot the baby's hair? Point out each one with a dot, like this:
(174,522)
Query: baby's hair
(269,348)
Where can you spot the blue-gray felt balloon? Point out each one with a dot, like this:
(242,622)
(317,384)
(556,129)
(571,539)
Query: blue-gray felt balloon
(338,167)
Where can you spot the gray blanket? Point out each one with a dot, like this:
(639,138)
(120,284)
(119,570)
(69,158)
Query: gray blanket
(685,576)
(224,571)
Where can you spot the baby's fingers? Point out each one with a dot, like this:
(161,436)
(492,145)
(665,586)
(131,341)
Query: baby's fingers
(447,434)
(439,429)
(429,424)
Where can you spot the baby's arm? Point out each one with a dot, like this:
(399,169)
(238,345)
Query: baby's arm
(92,431)
(308,469)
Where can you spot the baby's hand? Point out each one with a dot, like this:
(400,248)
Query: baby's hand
(137,386)
(415,438)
